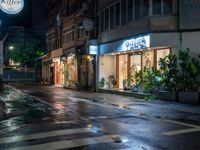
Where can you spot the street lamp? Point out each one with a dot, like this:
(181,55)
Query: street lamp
(11,47)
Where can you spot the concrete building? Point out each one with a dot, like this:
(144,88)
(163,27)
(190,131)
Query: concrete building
(70,35)
(134,34)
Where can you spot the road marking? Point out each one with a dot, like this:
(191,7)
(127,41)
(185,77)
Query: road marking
(98,117)
(43,135)
(183,124)
(194,128)
(184,131)
(69,143)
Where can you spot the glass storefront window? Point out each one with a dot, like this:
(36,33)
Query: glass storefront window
(71,71)
(162,54)
(127,65)
(148,59)
(135,63)
(123,69)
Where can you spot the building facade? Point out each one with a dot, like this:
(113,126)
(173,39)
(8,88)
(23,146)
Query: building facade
(101,40)
(135,34)
(69,62)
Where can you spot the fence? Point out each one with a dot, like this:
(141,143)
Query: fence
(18,76)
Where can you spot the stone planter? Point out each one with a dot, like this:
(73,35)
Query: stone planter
(168,96)
(189,97)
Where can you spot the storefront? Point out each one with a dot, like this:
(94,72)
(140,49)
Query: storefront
(79,69)
(58,67)
(120,60)
(46,69)
(71,71)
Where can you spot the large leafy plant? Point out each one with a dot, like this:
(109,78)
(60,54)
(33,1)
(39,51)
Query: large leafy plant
(169,72)
(151,80)
(189,78)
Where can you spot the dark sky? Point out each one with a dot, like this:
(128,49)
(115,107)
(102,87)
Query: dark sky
(33,14)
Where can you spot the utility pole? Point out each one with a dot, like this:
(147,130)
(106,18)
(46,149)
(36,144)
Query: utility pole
(1,59)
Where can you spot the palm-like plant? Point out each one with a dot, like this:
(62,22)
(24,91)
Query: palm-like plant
(169,72)
(190,71)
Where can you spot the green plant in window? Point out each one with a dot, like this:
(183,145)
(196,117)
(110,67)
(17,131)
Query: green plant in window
(102,83)
(111,81)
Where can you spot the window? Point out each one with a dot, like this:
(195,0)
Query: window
(167,7)
(73,36)
(145,8)
(102,21)
(107,19)
(130,10)
(117,14)
(137,9)
(157,7)
(161,54)
(78,34)
(112,17)
(123,12)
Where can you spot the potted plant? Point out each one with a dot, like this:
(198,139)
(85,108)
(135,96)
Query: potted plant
(124,84)
(138,77)
(189,77)
(151,80)
(169,78)
(102,83)
(111,82)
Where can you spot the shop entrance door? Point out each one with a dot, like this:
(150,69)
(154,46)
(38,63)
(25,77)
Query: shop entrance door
(56,73)
(122,69)
(87,73)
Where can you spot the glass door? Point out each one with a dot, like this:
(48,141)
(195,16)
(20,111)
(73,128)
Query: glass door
(122,69)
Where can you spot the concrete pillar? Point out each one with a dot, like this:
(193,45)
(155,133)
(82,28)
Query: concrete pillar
(1,64)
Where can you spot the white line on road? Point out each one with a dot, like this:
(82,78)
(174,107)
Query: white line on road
(194,128)
(183,124)
(43,135)
(184,131)
(68,143)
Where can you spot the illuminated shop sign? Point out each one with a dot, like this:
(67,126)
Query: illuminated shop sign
(11,6)
(93,50)
(141,42)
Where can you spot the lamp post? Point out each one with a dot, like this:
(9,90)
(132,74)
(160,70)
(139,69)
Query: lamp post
(1,59)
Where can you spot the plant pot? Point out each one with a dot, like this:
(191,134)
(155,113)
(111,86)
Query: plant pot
(168,96)
(189,97)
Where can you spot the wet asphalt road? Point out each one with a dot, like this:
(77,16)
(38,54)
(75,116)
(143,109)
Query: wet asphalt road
(94,121)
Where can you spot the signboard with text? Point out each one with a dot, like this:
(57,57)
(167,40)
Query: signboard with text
(141,42)
(11,6)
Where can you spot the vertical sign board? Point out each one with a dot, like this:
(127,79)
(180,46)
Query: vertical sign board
(189,14)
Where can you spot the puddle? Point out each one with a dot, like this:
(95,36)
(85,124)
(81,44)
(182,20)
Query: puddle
(21,109)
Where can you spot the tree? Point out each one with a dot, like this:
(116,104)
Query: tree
(26,53)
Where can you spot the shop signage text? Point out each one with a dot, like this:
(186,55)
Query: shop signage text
(11,6)
(141,42)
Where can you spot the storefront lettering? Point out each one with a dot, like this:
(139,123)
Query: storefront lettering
(11,6)
(137,43)
(11,2)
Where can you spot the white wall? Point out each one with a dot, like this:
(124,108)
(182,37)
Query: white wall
(107,67)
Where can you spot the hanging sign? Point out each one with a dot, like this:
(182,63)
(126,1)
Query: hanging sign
(11,6)
(88,24)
